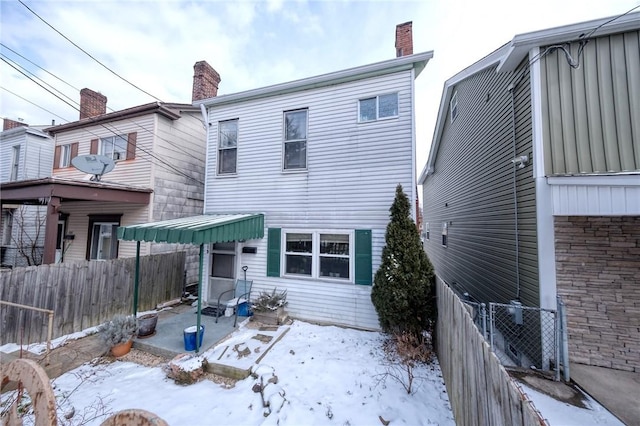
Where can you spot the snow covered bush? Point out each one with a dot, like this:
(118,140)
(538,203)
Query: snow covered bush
(401,292)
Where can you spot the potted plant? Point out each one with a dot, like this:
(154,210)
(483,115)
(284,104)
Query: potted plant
(118,334)
(268,308)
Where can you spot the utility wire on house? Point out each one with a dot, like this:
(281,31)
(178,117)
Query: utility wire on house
(583,39)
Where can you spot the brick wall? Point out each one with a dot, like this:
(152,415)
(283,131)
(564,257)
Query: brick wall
(598,277)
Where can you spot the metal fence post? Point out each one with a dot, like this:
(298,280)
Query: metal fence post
(562,313)
(483,318)
(491,325)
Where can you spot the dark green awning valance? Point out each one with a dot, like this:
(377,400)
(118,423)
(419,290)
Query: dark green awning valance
(203,229)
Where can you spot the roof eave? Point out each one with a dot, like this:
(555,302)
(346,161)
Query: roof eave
(166,110)
(522,43)
(417,61)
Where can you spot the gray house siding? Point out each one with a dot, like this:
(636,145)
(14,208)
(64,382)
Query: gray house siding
(591,114)
(472,190)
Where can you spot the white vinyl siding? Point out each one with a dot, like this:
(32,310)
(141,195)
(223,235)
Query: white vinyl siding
(352,173)
(36,154)
(137,172)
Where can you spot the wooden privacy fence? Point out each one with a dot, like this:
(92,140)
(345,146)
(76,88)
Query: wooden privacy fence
(83,294)
(480,390)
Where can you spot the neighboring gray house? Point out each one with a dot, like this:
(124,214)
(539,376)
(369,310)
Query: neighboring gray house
(25,153)
(158,150)
(532,186)
(320,158)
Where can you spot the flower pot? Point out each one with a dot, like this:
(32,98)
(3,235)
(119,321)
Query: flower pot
(121,348)
(147,325)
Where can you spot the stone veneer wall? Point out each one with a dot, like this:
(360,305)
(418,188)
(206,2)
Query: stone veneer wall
(598,277)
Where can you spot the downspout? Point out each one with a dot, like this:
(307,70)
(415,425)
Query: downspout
(201,274)
(511,89)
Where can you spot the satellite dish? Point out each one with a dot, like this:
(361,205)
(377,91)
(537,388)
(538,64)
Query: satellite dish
(97,165)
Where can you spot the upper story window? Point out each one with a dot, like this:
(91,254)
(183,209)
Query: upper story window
(295,140)
(378,107)
(114,147)
(453,106)
(426,231)
(15,163)
(65,155)
(227,146)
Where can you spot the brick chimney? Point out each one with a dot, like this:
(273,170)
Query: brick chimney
(205,81)
(92,103)
(11,124)
(404,39)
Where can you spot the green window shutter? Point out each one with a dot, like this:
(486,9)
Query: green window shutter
(363,256)
(273,252)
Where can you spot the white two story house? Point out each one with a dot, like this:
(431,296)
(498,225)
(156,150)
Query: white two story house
(320,158)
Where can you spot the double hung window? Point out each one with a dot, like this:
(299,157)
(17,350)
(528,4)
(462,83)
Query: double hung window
(15,163)
(318,254)
(227,146)
(295,140)
(65,155)
(114,147)
(378,107)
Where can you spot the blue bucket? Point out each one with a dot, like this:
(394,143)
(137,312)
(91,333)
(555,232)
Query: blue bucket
(190,337)
(243,310)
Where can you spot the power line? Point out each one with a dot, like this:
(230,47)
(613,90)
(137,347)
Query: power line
(111,109)
(87,53)
(38,66)
(170,166)
(36,77)
(23,73)
(33,103)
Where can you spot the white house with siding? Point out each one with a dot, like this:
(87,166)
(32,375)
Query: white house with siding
(25,153)
(320,158)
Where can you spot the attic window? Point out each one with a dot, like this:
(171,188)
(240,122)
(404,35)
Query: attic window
(453,106)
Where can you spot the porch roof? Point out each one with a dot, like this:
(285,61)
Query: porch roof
(203,229)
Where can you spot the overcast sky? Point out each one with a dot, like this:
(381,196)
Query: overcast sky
(154,44)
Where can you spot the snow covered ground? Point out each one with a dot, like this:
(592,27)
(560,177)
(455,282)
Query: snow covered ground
(329,375)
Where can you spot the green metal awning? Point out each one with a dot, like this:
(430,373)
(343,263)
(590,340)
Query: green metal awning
(203,229)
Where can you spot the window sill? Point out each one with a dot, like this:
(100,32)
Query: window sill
(294,171)
(321,279)
(227,176)
(395,117)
